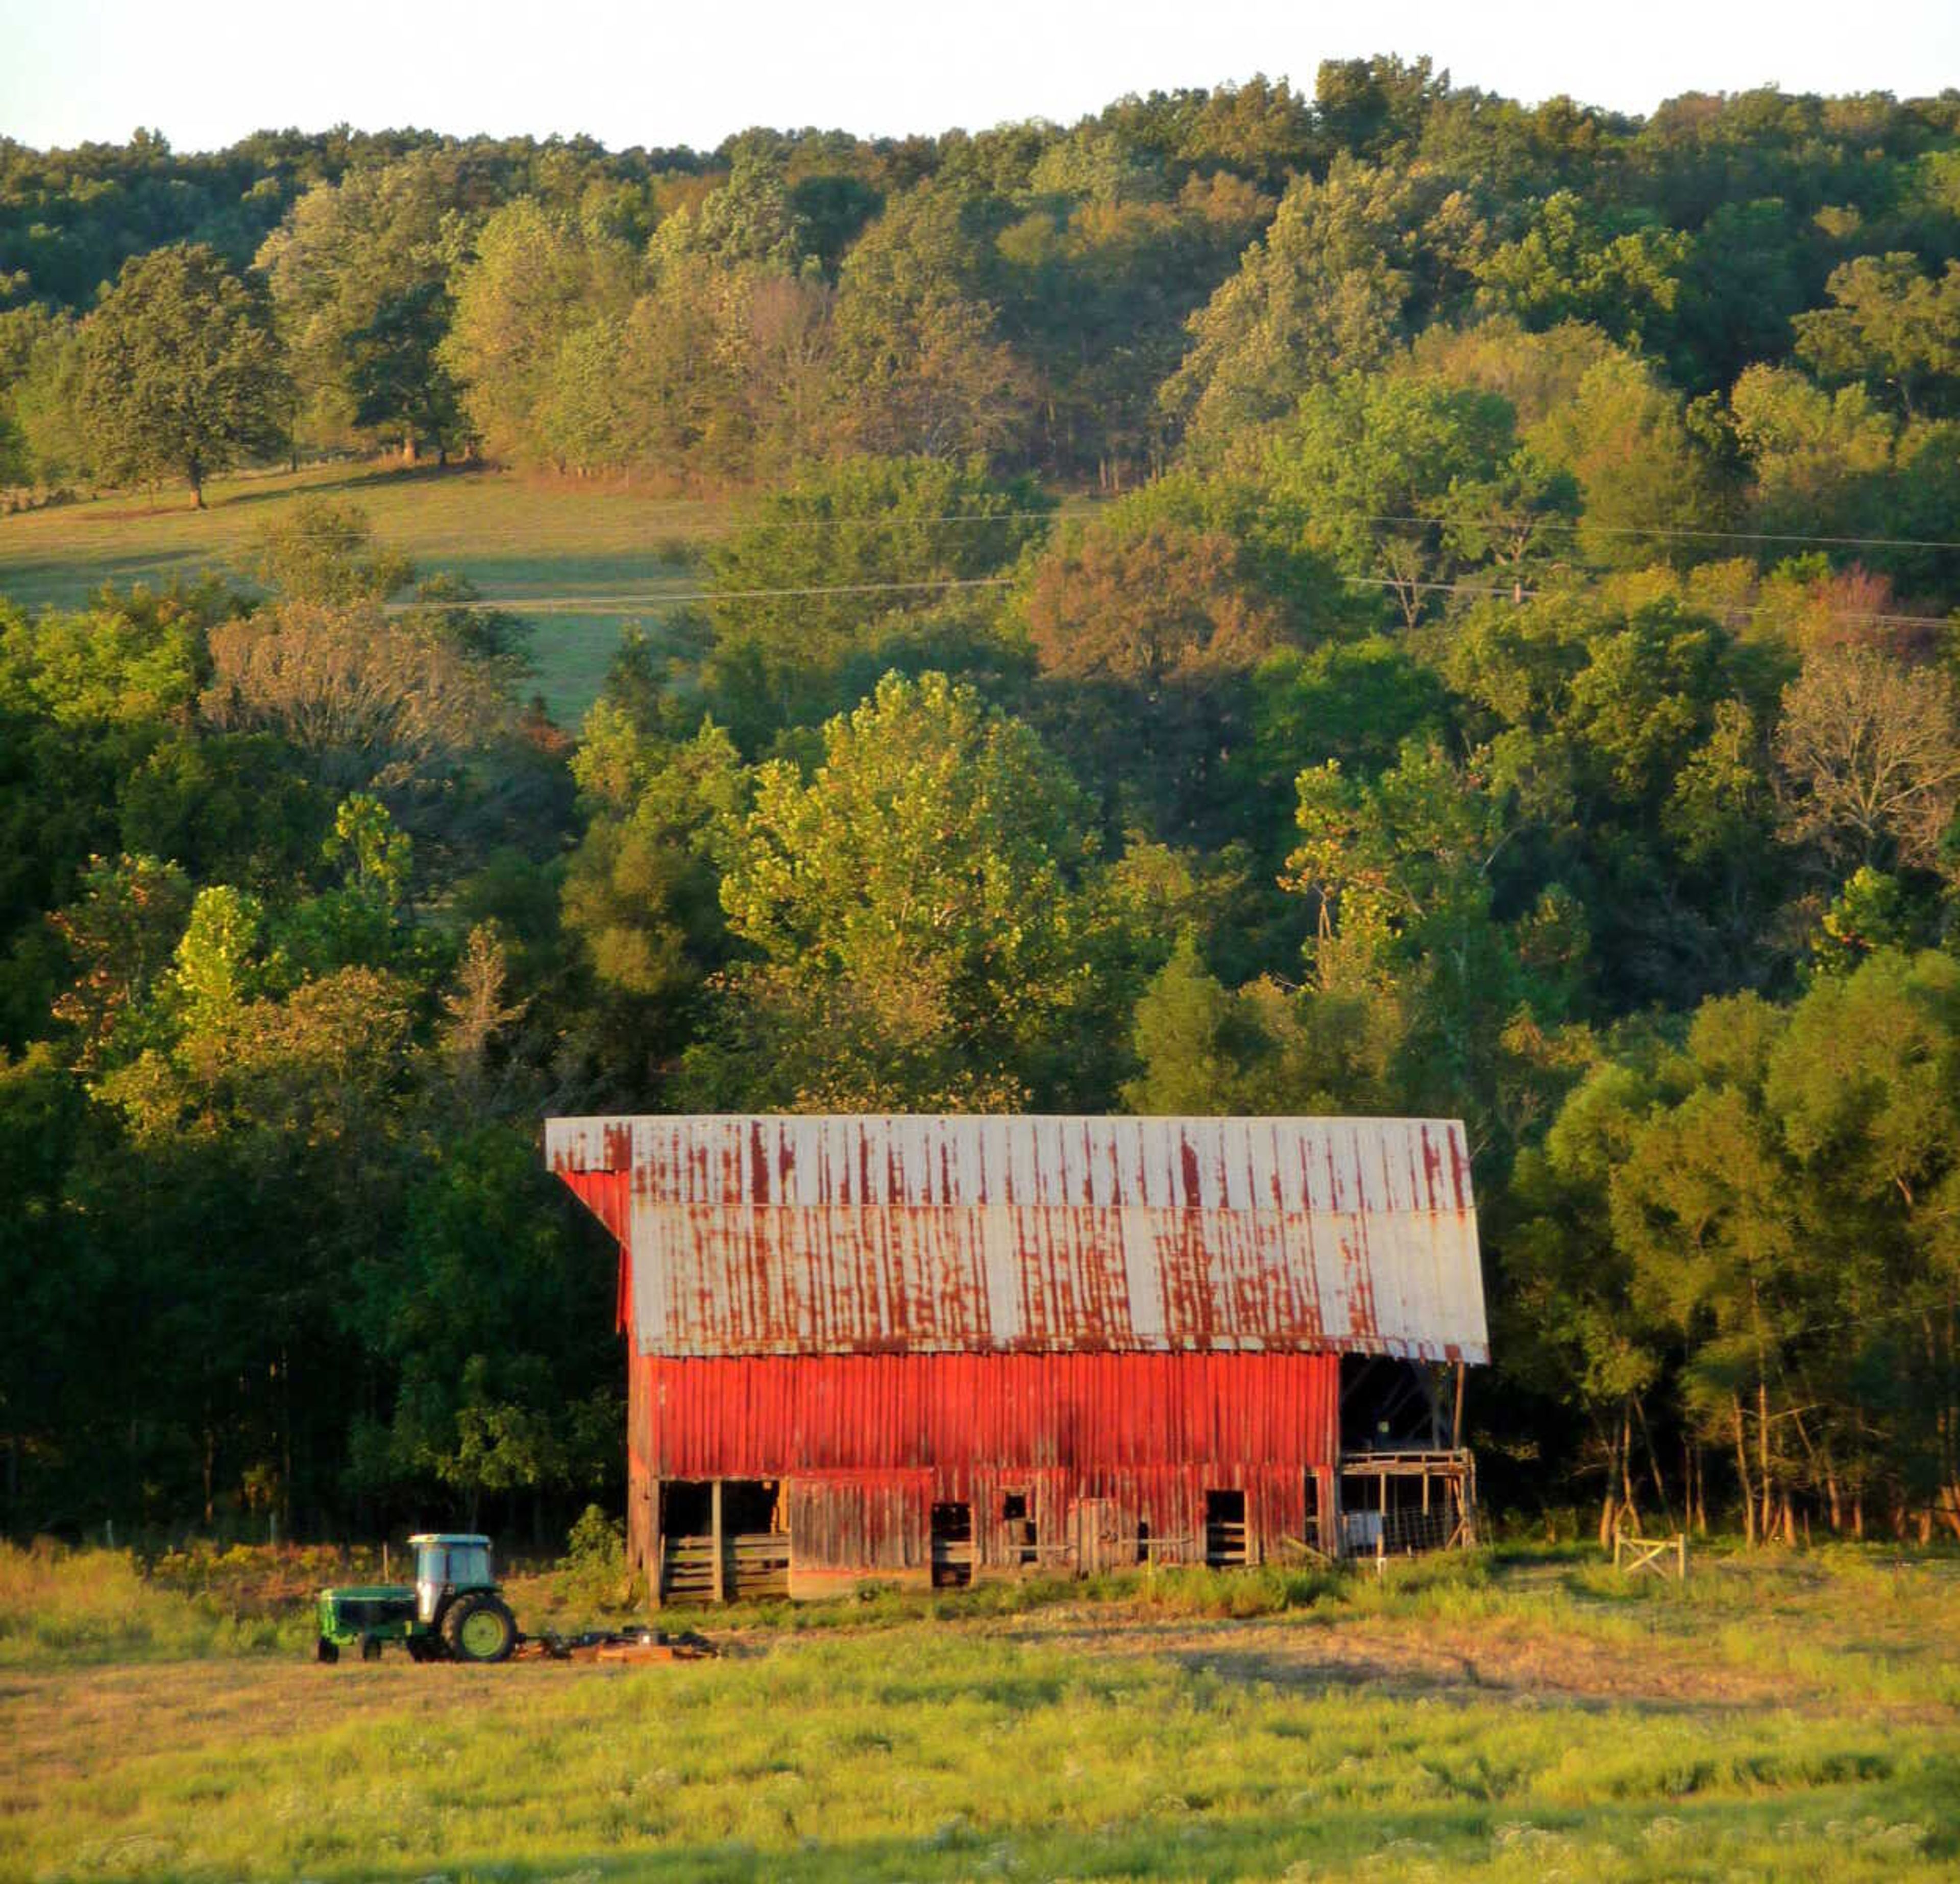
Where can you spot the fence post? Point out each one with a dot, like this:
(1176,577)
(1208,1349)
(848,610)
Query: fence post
(1681,1555)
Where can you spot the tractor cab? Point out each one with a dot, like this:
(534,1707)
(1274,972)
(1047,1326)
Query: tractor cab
(447,1564)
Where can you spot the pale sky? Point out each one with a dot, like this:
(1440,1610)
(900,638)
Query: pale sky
(205,72)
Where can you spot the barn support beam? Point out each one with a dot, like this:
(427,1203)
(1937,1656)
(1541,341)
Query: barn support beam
(654,1567)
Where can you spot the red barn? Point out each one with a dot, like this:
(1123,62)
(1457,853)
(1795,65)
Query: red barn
(927,1348)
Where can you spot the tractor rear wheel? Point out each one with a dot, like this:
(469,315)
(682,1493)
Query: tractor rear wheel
(479,1628)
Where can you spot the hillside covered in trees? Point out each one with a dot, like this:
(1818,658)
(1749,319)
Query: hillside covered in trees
(1507,670)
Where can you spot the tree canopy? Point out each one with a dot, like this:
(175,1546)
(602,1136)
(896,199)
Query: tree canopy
(1374,599)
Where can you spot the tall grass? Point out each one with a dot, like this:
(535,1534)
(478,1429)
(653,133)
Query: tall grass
(59,1606)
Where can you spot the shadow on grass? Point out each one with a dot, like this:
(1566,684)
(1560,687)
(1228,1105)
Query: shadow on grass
(362,476)
(628,574)
(1894,1829)
(65,581)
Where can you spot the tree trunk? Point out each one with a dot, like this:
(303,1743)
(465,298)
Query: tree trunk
(1763,1451)
(283,1504)
(1627,1494)
(1742,1475)
(197,488)
(1609,1506)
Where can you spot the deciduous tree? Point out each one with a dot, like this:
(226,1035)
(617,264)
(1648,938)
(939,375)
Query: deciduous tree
(917,891)
(1868,757)
(180,371)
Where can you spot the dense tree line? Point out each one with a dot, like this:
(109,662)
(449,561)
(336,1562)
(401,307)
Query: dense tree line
(1081,300)
(1512,679)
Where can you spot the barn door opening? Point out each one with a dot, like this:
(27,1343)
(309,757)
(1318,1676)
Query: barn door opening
(952,1546)
(1017,1525)
(1225,1528)
(722,1540)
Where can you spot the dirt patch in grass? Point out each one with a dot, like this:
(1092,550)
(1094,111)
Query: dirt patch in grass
(1484,1664)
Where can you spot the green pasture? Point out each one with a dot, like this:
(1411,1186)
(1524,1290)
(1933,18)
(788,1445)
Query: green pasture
(1778,1719)
(521,540)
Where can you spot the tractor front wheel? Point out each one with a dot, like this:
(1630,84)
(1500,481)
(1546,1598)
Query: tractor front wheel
(327,1651)
(479,1628)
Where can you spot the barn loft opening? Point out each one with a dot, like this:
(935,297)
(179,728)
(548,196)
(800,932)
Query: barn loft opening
(1389,1405)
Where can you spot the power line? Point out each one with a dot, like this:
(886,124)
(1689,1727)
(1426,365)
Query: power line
(1661,531)
(897,517)
(1511,592)
(1507,592)
(616,604)
(1658,530)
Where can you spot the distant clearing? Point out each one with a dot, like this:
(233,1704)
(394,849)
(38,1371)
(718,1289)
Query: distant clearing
(515,538)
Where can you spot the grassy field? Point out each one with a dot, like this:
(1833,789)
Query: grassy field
(1793,1717)
(518,539)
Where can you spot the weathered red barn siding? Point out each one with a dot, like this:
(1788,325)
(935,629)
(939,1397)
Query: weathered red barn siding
(781,1415)
(609,1196)
(1151,1432)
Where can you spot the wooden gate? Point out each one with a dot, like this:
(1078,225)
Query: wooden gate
(754,1564)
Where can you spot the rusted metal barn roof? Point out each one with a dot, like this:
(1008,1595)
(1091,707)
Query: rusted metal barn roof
(749,1235)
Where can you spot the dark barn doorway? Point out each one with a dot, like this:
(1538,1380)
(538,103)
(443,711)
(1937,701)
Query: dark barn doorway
(722,1540)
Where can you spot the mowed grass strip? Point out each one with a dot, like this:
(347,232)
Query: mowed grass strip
(516,539)
(1449,1727)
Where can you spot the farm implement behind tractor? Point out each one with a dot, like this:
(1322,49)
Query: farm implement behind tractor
(455,1612)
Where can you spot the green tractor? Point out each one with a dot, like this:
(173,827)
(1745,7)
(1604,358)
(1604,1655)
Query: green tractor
(455,1611)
